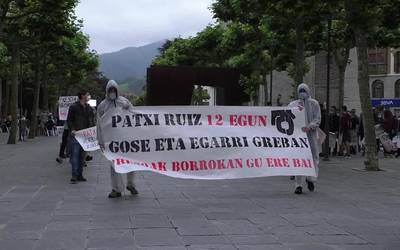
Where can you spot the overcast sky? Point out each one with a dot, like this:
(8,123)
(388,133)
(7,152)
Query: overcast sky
(116,24)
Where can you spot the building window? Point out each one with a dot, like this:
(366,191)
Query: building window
(397,62)
(378,89)
(377,61)
(397,89)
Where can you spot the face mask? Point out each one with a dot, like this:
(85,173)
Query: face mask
(112,95)
(303,95)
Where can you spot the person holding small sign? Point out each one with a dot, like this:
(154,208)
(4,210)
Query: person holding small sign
(313,120)
(114,101)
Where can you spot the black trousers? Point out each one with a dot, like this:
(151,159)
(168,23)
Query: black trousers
(64,142)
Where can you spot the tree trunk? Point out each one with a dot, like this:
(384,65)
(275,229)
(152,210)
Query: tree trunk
(299,60)
(358,18)
(371,162)
(15,61)
(341,59)
(264,76)
(7,99)
(36,95)
(1,98)
(45,92)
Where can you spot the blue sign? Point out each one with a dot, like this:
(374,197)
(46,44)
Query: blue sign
(391,103)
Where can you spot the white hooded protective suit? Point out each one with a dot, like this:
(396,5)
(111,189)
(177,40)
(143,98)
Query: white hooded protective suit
(313,120)
(106,105)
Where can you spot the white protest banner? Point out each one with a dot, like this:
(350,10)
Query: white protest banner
(63,106)
(87,139)
(208,142)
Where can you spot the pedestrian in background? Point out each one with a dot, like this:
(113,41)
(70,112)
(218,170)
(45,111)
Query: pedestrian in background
(334,129)
(389,123)
(344,132)
(355,122)
(50,126)
(22,128)
(63,146)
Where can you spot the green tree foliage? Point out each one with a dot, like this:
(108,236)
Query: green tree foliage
(44,38)
(289,28)
(200,96)
(250,33)
(222,45)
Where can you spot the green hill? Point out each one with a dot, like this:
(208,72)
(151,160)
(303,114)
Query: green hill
(128,66)
(132,86)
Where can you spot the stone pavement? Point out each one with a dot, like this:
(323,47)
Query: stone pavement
(40,210)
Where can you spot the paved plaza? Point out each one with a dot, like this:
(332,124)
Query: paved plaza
(40,210)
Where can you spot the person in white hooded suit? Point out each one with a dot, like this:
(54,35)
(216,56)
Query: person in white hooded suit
(114,101)
(313,120)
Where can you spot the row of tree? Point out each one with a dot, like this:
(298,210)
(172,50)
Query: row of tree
(259,36)
(43,54)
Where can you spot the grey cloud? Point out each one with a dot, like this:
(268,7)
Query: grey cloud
(113,25)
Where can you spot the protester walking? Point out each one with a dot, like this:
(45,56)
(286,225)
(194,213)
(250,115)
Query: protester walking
(114,101)
(64,143)
(344,132)
(313,120)
(80,116)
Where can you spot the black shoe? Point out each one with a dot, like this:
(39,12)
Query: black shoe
(310,186)
(84,165)
(292,178)
(114,194)
(89,158)
(81,179)
(299,190)
(132,190)
(74,180)
(59,160)
(62,156)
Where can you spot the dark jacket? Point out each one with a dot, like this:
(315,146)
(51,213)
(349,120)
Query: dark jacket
(333,123)
(345,122)
(80,117)
(355,121)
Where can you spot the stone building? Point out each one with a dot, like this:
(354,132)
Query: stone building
(384,67)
